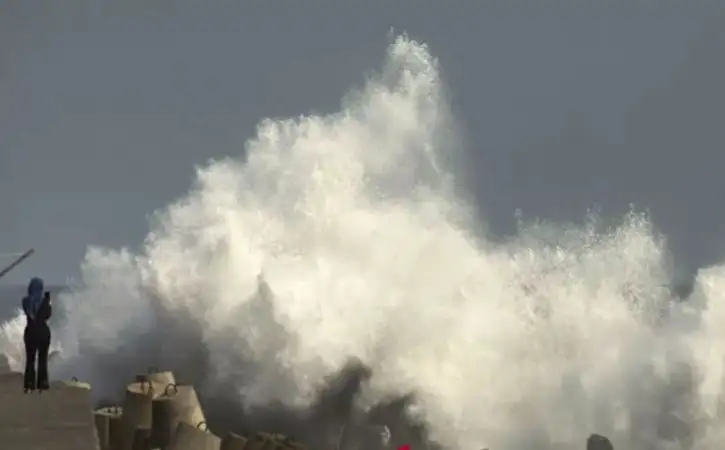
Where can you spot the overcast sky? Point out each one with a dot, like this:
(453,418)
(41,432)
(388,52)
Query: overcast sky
(105,107)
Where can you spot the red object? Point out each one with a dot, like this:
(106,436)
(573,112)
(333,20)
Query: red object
(404,447)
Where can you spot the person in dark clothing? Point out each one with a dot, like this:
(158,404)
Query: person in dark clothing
(38,310)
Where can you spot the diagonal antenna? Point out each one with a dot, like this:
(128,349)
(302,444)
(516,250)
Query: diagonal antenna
(20,259)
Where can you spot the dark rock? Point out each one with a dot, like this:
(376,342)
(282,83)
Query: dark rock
(598,442)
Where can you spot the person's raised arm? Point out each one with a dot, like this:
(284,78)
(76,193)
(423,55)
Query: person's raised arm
(46,309)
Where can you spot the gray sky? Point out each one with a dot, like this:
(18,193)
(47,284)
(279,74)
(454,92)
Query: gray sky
(104,110)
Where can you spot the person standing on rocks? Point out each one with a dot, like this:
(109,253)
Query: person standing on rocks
(37,308)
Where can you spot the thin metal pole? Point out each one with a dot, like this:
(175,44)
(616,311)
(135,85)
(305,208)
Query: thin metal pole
(20,259)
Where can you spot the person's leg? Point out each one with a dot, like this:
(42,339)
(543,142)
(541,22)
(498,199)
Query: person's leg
(30,351)
(43,346)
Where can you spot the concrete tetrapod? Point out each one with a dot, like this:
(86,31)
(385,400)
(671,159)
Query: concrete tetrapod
(137,411)
(257,442)
(233,441)
(183,406)
(278,441)
(108,425)
(74,382)
(141,439)
(60,418)
(163,378)
(266,441)
(163,415)
(189,437)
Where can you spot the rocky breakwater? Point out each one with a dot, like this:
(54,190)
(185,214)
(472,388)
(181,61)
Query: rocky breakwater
(157,413)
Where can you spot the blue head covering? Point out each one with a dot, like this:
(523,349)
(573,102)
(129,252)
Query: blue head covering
(32,301)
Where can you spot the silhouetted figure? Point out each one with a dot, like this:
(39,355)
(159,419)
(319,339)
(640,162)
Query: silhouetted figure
(36,306)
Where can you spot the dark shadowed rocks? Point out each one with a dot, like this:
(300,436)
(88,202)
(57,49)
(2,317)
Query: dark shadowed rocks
(598,442)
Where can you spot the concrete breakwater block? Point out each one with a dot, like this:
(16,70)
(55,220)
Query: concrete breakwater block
(137,411)
(189,437)
(256,442)
(141,439)
(162,377)
(162,417)
(108,425)
(233,441)
(184,405)
(170,406)
(157,416)
(76,383)
(271,441)
(58,419)
(282,441)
